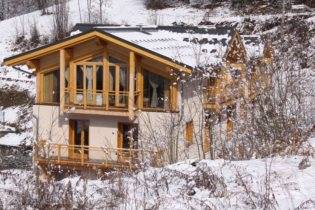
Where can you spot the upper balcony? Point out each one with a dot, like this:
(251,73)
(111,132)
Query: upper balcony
(105,84)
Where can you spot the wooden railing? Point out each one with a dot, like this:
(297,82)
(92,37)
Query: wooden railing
(91,156)
(88,99)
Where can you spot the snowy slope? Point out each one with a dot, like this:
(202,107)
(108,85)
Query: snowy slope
(122,12)
(275,183)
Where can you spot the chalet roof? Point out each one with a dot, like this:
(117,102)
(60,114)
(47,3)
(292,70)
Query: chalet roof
(190,45)
(178,46)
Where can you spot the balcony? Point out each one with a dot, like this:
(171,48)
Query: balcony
(95,157)
(103,102)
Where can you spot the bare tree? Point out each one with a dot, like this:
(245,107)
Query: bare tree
(61,20)
(42,5)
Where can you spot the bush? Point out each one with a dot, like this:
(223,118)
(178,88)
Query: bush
(162,4)
(35,36)
(12,97)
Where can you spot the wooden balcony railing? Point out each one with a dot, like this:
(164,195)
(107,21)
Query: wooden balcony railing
(99,157)
(88,99)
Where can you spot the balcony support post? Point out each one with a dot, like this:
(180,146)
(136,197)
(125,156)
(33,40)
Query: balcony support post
(62,55)
(139,83)
(131,95)
(64,58)
(106,78)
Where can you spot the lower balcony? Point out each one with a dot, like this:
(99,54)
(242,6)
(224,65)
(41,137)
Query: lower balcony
(95,157)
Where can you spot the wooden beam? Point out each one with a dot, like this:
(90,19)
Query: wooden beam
(62,62)
(100,42)
(117,81)
(131,96)
(106,78)
(174,96)
(39,87)
(33,64)
(72,81)
(139,83)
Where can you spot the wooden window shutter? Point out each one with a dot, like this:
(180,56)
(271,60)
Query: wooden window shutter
(72,128)
(189,131)
(120,135)
(173,96)
(207,138)
(229,128)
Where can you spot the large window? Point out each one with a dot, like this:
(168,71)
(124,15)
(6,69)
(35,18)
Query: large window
(118,85)
(89,84)
(155,91)
(51,90)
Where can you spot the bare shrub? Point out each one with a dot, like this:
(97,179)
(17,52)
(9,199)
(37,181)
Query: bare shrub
(205,178)
(261,198)
(35,35)
(156,4)
(12,97)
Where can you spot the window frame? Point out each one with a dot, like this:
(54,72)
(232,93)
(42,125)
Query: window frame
(41,97)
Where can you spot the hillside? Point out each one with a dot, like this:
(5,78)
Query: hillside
(279,182)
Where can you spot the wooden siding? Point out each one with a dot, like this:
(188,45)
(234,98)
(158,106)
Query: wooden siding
(189,133)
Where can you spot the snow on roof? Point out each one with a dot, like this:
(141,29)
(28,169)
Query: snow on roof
(254,46)
(193,46)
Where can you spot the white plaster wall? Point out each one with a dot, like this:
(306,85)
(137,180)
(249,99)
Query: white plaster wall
(192,111)
(49,126)
(103,134)
(157,132)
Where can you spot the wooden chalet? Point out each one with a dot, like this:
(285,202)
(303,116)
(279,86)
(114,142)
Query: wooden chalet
(95,89)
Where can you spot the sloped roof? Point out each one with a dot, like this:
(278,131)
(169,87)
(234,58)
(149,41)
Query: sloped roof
(192,46)
(185,46)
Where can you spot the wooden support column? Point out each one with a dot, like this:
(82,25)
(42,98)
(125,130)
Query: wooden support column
(174,96)
(62,54)
(131,96)
(139,83)
(72,82)
(105,78)
(39,87)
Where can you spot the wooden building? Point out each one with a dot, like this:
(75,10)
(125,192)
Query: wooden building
(108,96)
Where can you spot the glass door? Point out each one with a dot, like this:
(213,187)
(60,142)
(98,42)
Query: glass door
(127,141)
(118,86)
(79,139)
(89,85)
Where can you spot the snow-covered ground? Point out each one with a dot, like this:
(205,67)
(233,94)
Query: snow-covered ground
(273,183)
